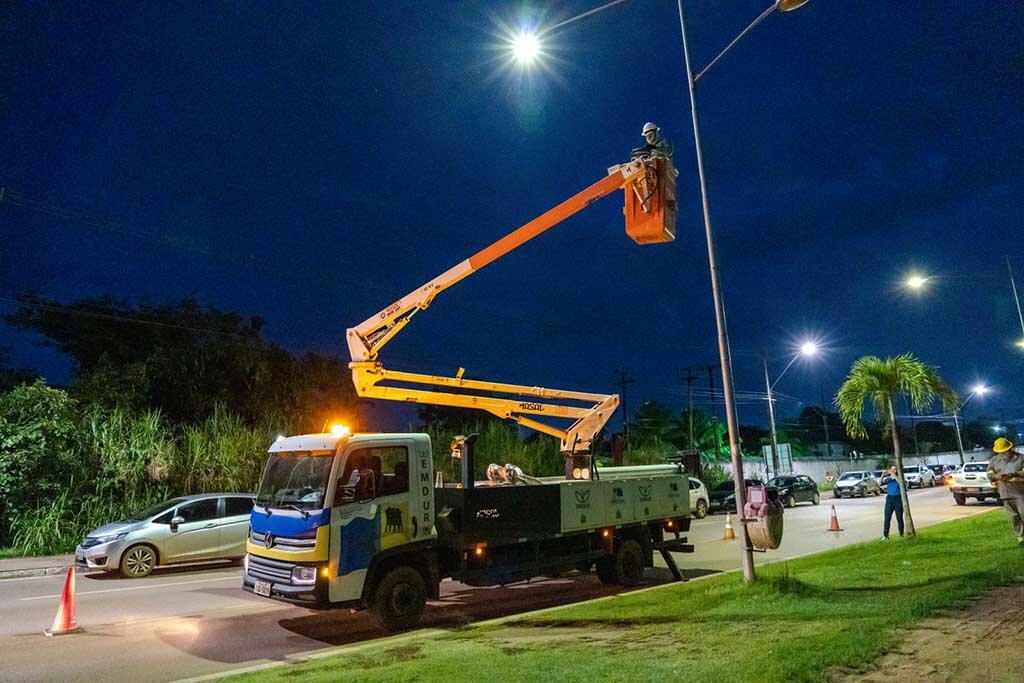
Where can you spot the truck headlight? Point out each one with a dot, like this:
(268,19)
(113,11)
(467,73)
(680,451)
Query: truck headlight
(304,575)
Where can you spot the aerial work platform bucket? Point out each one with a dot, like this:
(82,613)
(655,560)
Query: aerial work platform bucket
(651,204)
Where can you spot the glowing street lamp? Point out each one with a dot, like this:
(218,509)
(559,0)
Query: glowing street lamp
(807,349)
(526,48)
(916,282)
(979,389)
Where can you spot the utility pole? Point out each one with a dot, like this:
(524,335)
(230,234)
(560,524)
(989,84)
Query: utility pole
(624,381)
(824,421)
(714,410)
(689,399)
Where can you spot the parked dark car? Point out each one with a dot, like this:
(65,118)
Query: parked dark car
(723,496)
(942,472)
(795,488)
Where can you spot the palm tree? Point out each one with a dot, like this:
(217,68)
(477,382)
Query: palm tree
(882,382)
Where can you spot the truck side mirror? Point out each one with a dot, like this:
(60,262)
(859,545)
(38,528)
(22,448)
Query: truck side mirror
(175,521)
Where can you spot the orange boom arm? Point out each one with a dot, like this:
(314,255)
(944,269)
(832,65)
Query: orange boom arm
(522,402)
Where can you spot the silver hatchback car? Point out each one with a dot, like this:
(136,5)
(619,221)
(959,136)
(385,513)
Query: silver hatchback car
(207,526)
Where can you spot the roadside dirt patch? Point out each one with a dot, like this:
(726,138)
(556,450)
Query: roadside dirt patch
(984,643)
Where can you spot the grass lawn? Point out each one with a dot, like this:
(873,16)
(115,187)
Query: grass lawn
(7,553)
(839,609)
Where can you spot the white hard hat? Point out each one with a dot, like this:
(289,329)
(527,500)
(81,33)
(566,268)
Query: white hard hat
(649,126)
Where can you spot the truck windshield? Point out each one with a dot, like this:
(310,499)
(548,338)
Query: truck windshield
(296,480)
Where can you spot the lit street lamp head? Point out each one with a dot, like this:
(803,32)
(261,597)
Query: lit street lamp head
(979,389)
(808,348)
(916,281)
(525,48)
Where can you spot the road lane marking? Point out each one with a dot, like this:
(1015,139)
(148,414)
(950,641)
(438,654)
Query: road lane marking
(134,588)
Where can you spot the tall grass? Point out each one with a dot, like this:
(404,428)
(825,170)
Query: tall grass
(132,461)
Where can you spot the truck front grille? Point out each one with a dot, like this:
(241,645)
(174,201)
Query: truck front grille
(274,571)
(282,542)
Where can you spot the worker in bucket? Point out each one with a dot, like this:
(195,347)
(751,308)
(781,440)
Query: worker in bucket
(656,145)
(1006,472)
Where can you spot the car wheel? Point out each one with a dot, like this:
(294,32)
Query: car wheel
(790,501)
(399,599)
(138,561)
(959,500)
(701,511)
(816,499)
(629,563)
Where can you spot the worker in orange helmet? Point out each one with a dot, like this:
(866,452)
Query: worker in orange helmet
(656,145)
(1006,471)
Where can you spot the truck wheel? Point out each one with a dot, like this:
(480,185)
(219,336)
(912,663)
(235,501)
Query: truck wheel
(701,511)
(959,499)
(629,563)
(606,570)
(399,599)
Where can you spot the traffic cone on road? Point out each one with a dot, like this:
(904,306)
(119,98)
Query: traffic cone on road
(729,534)
(66,620)
(834,523)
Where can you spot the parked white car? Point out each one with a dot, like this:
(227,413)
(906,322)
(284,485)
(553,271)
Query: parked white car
(698,498)
(971,481)
(918,476)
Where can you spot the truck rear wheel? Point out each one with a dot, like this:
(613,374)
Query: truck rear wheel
(399,599)
(959,499)
(629,563)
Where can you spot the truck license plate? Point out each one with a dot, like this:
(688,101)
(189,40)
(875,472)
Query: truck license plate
(972,490)
(262,588)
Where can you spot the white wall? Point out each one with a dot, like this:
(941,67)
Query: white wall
(817,469)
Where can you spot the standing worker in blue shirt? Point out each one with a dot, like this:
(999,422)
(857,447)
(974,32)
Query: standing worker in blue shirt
(893,502)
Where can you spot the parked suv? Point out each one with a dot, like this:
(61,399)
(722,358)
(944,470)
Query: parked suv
(919,476)
(208,526)
(971,481)
(852,484)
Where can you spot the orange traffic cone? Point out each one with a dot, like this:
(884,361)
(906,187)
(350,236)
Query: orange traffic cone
(729,534)
(66,620)
(834,523)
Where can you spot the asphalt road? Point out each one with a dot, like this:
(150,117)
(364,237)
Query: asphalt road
(190,622)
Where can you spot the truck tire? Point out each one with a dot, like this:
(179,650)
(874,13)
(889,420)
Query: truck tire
(399,599)
(606,570)
(629,563)
(959,499)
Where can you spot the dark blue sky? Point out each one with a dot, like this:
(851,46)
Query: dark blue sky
(311,162)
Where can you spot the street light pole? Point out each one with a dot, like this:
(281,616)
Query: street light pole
(959,439)
(724,354)
(771,420)
(746,552)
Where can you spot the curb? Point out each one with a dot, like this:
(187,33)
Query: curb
(34,571)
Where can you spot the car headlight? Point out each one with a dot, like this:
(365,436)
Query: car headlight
(304,575)
(110,538)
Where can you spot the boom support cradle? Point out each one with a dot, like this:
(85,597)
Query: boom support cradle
(366,340)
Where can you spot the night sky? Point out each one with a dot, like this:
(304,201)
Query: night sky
(312,162)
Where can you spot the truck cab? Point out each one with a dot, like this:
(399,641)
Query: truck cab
(330,506)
